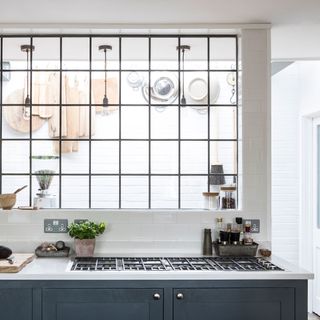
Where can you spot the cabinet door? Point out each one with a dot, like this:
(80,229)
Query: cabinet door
(234,303)
(102,304)
(15,304)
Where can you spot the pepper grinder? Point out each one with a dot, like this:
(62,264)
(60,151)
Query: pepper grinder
(207,243)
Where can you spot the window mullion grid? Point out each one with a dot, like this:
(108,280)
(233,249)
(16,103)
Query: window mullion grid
(1,86)
(120,109)
(30,123)
(60,127)
(179,123)
(149,120)
(208,71)
(237,119)
(90,119)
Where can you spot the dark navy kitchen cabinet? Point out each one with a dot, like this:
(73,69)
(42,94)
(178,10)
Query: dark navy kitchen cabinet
(15,304)
(153,299)
(234,303)
(113,304)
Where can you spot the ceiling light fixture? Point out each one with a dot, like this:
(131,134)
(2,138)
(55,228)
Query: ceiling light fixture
(182,49)
(105,101)
(28,48)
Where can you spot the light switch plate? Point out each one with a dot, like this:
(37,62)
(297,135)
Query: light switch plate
(55,225)
(255,225)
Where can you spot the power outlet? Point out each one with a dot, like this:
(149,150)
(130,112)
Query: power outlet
(255,225)
(55,225)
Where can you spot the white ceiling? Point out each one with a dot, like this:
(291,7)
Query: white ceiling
(295,23)
(160,11)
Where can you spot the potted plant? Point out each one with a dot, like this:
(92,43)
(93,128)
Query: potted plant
(84,235)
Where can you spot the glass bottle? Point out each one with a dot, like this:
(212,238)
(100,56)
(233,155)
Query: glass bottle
(247,237)
(219,227)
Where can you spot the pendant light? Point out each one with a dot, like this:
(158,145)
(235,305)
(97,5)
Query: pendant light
(27,48)
(182,49)
(105,101)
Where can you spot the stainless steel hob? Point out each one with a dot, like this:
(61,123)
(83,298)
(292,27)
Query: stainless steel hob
(172,264)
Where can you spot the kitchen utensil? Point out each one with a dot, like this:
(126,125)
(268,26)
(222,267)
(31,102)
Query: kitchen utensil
(18,262)
(8,200)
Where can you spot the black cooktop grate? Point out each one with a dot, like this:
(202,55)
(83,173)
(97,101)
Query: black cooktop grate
(172,264)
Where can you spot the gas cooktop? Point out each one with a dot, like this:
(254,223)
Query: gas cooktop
(172,264)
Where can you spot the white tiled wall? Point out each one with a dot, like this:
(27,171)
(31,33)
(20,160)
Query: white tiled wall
(181,232)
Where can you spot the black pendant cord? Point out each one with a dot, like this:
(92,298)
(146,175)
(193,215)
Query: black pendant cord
(105,74)
(183,97)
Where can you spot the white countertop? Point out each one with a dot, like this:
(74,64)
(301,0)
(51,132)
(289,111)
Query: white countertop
(58,269)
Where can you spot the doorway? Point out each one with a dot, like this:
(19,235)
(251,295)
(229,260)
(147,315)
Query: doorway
(316,215)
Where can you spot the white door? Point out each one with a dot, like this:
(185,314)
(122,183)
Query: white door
(316,215)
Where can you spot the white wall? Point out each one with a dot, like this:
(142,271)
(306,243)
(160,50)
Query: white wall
(285,163)
(180,232)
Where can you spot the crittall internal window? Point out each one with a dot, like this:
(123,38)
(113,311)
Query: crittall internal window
(130,121)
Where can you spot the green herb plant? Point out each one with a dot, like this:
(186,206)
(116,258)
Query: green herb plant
(86,230)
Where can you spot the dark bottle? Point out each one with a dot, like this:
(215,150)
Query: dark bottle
(207,243)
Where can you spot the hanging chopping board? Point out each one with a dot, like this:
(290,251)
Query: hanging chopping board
(14,114)
(20,260)
(98,93)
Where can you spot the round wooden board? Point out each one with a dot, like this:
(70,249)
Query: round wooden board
(14,114)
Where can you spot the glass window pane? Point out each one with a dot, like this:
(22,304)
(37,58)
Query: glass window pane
(75,53)
(104,156)
(223,53)
(164,88)
(16,125)
(223,88)
(135,53)
(11,183)
(223,123)
(47,53)
(164,122)
(164,157)
(72,197)
(224,153)
(107,125)
(164,54)
(134,157)
(104,192)
(45,90)
(194,123)
(75,157)
(15,156)
(191,192)
(112,90)
(164,192)
(98,55)
(52,192)
(196,88)
(134,192)
(196,57)
(194,157)
(135,122)
(44,156)
(134,88)
(75,88)
(12,52)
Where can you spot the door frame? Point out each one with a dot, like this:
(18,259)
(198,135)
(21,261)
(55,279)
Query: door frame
(306,233)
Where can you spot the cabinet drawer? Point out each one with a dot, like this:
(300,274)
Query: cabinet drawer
(104,304)
(234,303)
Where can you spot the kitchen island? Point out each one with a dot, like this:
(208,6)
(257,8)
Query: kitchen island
(47,290)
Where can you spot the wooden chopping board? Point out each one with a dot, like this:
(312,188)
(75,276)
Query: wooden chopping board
(19,262)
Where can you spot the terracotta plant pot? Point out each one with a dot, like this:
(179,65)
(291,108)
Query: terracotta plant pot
(85,247)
